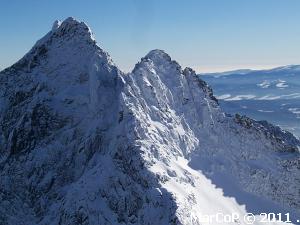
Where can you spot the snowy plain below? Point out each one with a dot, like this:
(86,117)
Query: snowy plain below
(272,95)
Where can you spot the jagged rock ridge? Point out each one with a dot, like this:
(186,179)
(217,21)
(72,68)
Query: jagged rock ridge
(83,143)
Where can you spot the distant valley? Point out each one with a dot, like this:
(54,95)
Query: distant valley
(272,95)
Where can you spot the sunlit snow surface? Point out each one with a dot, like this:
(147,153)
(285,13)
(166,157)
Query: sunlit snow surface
(272,95)
(81,142)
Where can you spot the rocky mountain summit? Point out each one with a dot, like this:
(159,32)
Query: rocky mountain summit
(81,142)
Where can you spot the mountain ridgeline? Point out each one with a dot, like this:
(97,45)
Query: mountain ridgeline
(83,143)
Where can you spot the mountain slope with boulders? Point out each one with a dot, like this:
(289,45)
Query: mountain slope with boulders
(81,142)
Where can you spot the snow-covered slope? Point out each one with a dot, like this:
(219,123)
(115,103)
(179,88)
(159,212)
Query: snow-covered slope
(83,143)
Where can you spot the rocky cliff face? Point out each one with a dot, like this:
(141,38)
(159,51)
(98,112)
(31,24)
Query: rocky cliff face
(83,143)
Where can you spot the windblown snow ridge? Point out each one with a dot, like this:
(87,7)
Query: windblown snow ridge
(83,143)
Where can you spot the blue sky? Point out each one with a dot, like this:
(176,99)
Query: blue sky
(207,35)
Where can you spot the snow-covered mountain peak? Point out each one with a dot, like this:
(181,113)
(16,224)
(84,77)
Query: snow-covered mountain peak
(160,63)
(71,26)
(158,55)
(83,143)
(67,30)
(69,44)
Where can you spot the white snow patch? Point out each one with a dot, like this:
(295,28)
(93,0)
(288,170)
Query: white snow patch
(294,110)
(56,25)
(264,84)
(281,84)
(241,97)
(269,97)
(224,96)
(265,111)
